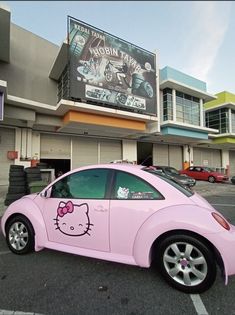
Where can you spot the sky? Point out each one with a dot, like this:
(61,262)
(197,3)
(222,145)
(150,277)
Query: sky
(195,37)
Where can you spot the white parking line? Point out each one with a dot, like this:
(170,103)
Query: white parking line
(4,253)
(198,304)
(222,204)
(7,312)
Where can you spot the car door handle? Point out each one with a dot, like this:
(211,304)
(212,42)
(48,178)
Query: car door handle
(100,209)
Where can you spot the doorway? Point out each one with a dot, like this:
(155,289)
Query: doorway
(145,153)
(59,165)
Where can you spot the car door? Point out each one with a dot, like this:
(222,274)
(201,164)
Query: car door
(200,173)
(77,211)
(193,172)
(133,200)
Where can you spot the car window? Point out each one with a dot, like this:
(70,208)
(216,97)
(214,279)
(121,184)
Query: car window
(207,169)
(89,184)
(128,186)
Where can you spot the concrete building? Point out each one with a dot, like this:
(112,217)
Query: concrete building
(40,122)
(220,114)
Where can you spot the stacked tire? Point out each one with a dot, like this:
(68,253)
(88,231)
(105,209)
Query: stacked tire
(17,184)
(33,174)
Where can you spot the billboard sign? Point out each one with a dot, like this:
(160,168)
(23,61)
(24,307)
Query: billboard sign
(1,105)
(109,71)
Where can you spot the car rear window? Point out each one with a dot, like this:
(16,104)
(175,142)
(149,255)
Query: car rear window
(184,189)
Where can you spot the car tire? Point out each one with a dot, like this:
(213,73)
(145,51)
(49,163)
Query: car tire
(211,179)
(186,263)
(20,235)
(16,168)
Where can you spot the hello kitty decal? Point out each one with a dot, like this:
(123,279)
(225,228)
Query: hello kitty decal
(72,219)
(122,193)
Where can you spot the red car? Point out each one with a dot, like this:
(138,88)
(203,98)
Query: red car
(204,173)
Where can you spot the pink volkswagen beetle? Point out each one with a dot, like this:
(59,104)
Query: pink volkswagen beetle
(127,214)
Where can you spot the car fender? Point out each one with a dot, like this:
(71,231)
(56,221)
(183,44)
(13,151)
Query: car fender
(29,209)
(181,217)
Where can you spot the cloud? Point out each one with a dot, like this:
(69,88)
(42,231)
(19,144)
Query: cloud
(209,22)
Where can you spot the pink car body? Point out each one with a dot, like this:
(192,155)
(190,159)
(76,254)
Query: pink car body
(122,230)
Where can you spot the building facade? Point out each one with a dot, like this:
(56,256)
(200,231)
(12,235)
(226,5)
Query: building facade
(40,122)
(220,114)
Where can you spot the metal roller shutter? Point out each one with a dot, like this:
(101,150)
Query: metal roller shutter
(7,143)
(160,154)
(207,157)
(110,150)
(55,147)
(232,162)
(84,152)
(171,155)
(176,156)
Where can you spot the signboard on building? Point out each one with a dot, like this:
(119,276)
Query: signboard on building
(1,105)
(107,70)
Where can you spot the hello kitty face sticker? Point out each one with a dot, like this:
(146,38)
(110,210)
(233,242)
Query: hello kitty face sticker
(73,220)
(122,193)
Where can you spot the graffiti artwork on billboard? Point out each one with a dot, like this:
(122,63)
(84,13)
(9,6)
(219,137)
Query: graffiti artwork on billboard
(107,69)
(104,95)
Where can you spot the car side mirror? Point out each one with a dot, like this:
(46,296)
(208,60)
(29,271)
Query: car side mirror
(46,193)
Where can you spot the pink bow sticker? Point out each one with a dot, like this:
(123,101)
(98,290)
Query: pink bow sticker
(65,208)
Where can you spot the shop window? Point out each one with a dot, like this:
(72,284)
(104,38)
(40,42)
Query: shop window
(187,109)
(218,119)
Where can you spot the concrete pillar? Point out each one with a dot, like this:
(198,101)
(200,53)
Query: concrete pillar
(20,147)
(174,104)
(202,123)
(187,155)
(230,130)
(225,160)
(36,145)
(129,150)
(157,91)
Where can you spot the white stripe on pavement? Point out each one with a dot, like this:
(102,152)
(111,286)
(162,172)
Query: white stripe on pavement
(7,312)
(198,304)
(222,204)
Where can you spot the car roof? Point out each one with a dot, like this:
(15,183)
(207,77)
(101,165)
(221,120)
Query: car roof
(164,166)
(117,166)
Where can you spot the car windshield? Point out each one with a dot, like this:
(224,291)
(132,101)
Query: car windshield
(171,170)
(182,188)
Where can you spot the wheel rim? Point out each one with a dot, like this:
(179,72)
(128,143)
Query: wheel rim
(18,236)
(211,179)
(185,264)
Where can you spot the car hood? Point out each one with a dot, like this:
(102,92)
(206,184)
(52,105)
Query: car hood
(31,196)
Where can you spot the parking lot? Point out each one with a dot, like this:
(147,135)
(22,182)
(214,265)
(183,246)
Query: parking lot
(50,282)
